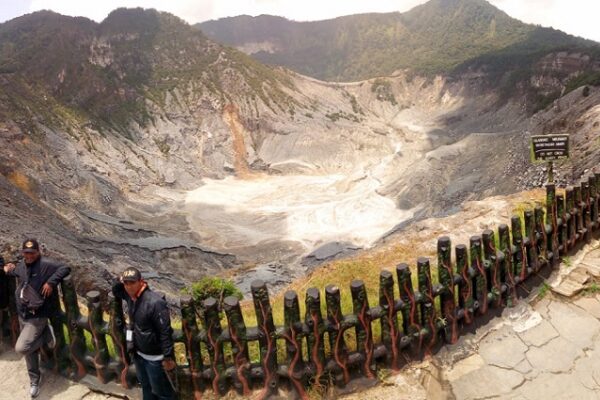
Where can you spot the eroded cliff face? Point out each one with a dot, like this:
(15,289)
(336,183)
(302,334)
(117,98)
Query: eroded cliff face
(211,185)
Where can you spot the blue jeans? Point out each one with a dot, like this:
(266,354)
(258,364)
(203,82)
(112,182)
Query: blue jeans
(154,381)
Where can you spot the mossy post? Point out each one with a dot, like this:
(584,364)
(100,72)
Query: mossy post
(98,330)
(586,210)
(339,351)
(77,347)
(571,217)
(13,315)
(563,226)
(480,282)
(579,211)
(492,264)
(239,344)
(520,259)
(116,328)
(532,241)
(509,274)
(410,321)
(552,221)
(293,342)
(57,358)
(214,345)
(543,235)
(315,338)
(364,333)
(390,333)
(592,184)
(428,314)
(465,287)
(596,192)
(267,339)
(189,326)
(448,295)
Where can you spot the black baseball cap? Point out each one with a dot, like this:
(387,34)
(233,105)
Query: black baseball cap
(131,274)
(30,246)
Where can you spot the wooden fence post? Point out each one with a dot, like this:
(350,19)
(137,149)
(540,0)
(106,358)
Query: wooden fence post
(390,333)
(314,338)
(448,295)
(13,315)
(492,264)
(552,216)
(410,321)
(579,211)
(507,249)
(563,226)
(586,210)
(596,190)
(239,344)
(212,323)
(571,216)
(58,357)
(77,347)
(97,328)
(531,242)
(267,340)
(364,333)
(117,333)
(428,313)
(592,184)
(293,336)
(520,260)
(191,335)
(480,282)
(465,287)
(543,237)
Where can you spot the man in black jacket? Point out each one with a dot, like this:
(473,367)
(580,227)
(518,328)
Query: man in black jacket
(37,280)
(150,334)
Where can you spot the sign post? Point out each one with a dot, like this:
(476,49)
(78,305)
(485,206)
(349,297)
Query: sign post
(549,148)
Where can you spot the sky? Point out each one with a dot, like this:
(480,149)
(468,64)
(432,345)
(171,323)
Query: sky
(576,17)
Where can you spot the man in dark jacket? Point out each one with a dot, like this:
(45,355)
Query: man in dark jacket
(37,301)
(150,334)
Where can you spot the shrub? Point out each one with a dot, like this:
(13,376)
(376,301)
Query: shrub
(217,288)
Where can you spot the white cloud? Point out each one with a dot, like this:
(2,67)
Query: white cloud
(577,17)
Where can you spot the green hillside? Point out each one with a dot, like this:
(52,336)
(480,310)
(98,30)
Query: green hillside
(435,37)
(54,67)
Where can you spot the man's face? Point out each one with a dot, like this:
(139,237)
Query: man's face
(30,256)
(132,287)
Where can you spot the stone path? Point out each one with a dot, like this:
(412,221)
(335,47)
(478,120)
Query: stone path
(14,383)
(545,347)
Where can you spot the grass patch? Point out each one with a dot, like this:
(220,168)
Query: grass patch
(543,290)
(592,290)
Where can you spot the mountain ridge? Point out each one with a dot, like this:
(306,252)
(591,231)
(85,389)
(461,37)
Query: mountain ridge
(148,144)
(431,38)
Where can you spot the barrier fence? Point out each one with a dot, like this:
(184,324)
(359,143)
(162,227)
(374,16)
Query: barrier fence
(314,349)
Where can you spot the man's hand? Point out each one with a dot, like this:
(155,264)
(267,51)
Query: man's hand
(169,364)
(47,290)
(10,267)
